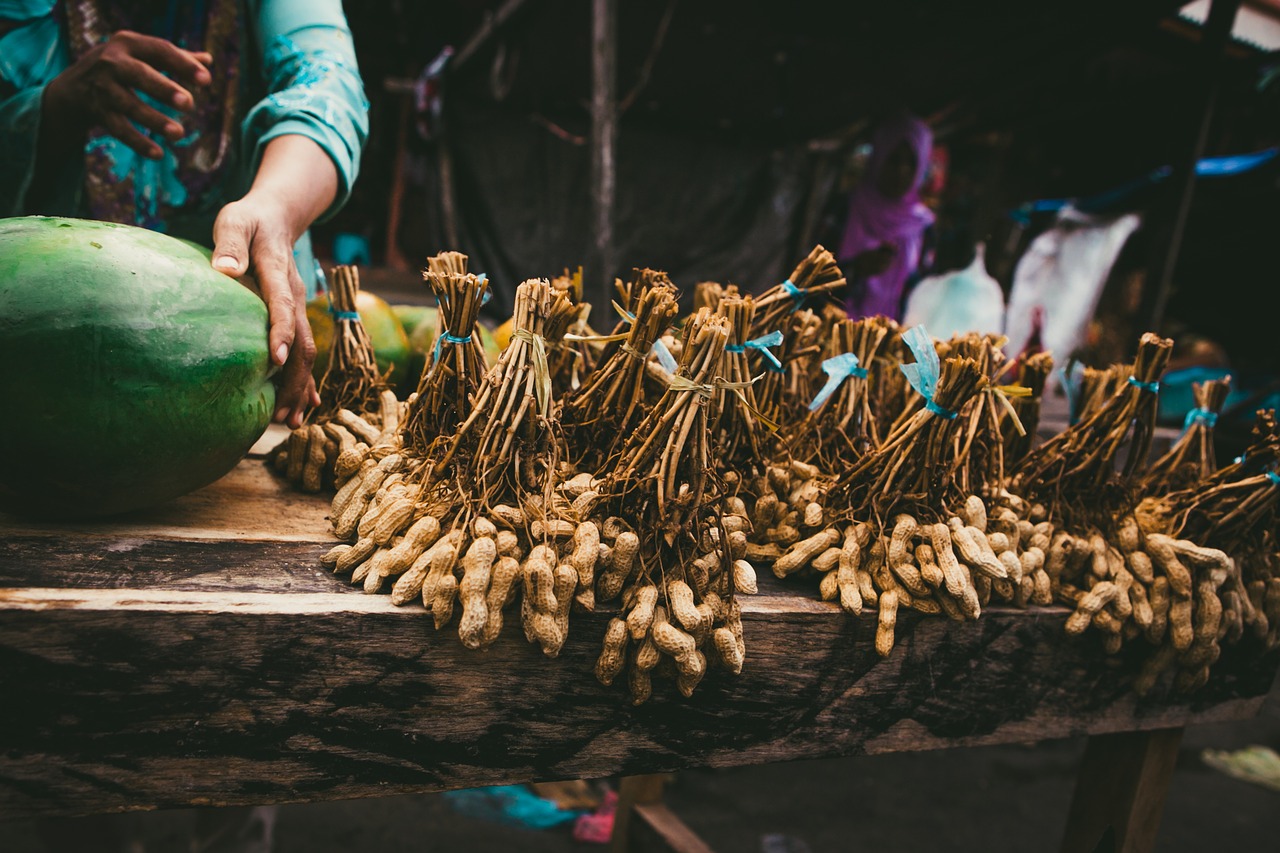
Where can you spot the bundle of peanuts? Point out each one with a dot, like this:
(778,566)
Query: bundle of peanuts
(357,411)
(890,470)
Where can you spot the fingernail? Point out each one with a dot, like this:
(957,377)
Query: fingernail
(225,263)
(174,130)
(282,354)
(280,415)
(182,100)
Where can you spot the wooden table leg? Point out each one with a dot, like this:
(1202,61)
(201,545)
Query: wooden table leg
(640,798)
(1120,792)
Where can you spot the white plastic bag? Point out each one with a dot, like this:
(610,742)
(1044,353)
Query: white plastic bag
(968,300)
(1062,274)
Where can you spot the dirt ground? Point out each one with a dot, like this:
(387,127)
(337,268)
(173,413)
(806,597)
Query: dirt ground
(1009,798)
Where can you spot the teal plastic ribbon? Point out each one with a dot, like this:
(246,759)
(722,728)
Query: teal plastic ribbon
(1199,415)
(664,356)
(761,344)
(797,295)
(1153,387)
(838,368)
(1274,478)
(340,315)
(923,375)
(440,342)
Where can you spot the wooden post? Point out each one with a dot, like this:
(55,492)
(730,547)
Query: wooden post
(1120,792)
(1217,35)
(604,137)
(633,791)
(644,822)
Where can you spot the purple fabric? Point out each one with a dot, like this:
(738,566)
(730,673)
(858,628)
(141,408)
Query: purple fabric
(875,220)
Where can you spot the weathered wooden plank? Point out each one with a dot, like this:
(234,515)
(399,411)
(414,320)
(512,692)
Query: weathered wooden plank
(138,562)
(248,504)
(132,699)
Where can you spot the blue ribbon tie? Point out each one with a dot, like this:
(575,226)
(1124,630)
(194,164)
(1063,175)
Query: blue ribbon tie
(1153,387)
(664,356)
(1199,415)
(838,368)
(797,295)
(761,344)
(440,342)
(923,375)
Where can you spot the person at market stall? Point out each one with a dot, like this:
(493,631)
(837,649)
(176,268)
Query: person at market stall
(885,228)
(236,124)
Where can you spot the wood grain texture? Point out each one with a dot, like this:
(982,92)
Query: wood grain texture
(248,504)
(197,654)
(135,699)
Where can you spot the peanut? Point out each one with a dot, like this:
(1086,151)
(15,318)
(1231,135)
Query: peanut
(727,649)
(1060,552)
(621,563)
(762,512)
(1128,536)
(691,674)
(1090,604)
(886,621)
(975,551)
(744,577)
(954,579)
(904,528)
(800,554)
(1025,531)
(502,591)
(974,513)
(330,559)
(1043,595)
(1159,597)
(1180,623)
(999,543)
(1208,613)
(829,586)
(358,554)
(640,684)
(911,578)
(613,652)
(313,467)
(827,560)
(1160,547)
(442,600)
(641,615)
(680,603)
(477,571)
(1012,565)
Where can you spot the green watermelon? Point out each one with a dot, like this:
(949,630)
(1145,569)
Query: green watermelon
(131,371)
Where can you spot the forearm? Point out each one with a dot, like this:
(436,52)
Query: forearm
(297,175)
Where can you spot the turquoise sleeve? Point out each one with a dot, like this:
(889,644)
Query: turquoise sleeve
(313,84)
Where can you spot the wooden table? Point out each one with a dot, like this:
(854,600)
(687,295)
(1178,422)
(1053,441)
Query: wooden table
(197,654)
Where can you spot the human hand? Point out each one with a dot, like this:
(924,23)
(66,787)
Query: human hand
(873,262)
(101,88)
(255,234)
